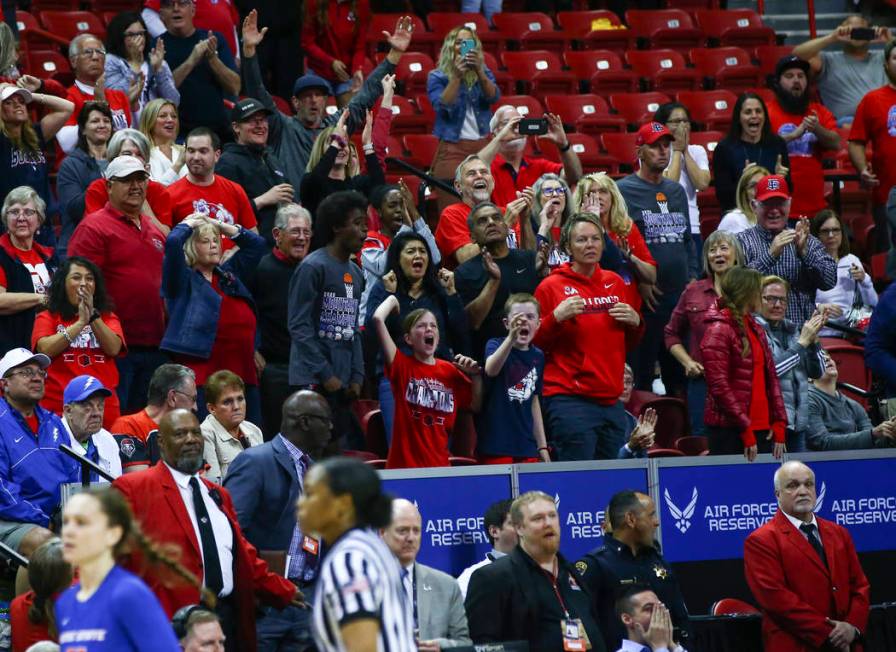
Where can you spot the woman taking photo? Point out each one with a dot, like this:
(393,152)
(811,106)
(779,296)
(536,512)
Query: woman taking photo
(684,332)
(854,297)
(80,334)
(225,429)
(412,278)
(26,267)
(159,123)
(135,68)
(83,165)
(344,502)
(110,607)
(749,140)
(461,90)
(211,322)
(32,614)
(743,217)
(744,409)
(587,325)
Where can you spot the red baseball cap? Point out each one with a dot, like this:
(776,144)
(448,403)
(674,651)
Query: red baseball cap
(651,132)
(774,185)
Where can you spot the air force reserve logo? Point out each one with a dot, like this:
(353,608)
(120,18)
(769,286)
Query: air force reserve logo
(682,516)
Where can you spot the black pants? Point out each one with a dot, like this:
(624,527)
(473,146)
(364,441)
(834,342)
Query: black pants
(727,441)
(274,386)
(226,610)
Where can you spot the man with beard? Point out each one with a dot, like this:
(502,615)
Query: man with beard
(844,77)
(175,506)
(204,192)
(512,170)
(533,593)
(807,127)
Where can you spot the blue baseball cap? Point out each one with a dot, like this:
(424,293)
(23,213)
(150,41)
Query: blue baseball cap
(310,80)
(83,387)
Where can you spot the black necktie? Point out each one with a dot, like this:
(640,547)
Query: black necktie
(213,578)
(809,530)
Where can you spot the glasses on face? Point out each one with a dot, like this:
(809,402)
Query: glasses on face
(28,373)
(90,52)
(775,300)
(15,212)
(142,32)
(553,192)
(189,397)
(833,231)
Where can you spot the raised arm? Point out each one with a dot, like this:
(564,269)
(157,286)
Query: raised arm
(386,308)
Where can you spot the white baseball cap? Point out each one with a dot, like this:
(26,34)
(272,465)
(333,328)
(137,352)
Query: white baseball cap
(18,357)
(124,166)
(11,90)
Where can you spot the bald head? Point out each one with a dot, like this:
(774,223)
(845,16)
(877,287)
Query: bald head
(795,490)
(403,534)
(307,422)
(180,441)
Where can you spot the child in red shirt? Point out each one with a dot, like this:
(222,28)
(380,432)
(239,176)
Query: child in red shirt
(428,391)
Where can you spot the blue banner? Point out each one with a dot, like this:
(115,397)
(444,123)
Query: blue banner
(452,509)
(581,498)
(707,512)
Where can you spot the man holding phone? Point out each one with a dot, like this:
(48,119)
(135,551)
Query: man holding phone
(511,168)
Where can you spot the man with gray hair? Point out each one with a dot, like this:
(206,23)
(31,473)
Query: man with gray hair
(172,387)
(87,56)
(269,285)
(533,593)
(804,572)
(512,170)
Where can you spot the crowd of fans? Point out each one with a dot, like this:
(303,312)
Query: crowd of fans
(214,285)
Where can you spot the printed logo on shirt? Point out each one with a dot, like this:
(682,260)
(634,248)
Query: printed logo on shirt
(82,635)
(40,277)
(431,394)
(662,202)
(570,291)
(801,146)
(891,121)
(158,244)
(86,339)
(349,285)
(600,304)
(34,159)
(216,211)
(338,316)
(523,390)
(664,227)
(119,120)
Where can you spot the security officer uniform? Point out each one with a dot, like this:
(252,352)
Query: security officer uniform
(608,569)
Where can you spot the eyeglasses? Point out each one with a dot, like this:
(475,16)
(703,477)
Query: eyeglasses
(834,231)
(28,373)
(774,300)
(553,192)
(191,397)
(316,416)
(15,212)
(142,32)
(89,52)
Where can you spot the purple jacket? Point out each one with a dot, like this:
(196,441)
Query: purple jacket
(687,325)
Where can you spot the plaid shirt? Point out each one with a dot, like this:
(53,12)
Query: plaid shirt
(302,565)
(813,271)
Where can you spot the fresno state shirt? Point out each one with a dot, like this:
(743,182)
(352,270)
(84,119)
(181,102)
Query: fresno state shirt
(81,93)
(875,123)
(805,155)
(427,398)
(32,261)
(221,200)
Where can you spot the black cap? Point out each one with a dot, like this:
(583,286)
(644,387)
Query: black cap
(788,62)
(246,108)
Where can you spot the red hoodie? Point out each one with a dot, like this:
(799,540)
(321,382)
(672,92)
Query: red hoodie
(585,355)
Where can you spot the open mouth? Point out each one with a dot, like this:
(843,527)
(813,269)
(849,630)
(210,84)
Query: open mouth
(481,184)
(429,340)
(418,266)
(524,332)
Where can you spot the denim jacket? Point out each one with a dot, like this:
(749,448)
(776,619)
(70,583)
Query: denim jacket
(194,306)
(450,117)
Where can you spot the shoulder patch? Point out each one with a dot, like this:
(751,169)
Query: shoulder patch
(582,566)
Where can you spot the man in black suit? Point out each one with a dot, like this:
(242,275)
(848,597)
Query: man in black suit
(265,482)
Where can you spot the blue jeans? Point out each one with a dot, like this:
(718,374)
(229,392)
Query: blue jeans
(134,371)
(286,630)
(387,407)
(491,7)
(581,429)
(696,403)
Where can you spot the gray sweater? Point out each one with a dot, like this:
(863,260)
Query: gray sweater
(288,137)
(837,423)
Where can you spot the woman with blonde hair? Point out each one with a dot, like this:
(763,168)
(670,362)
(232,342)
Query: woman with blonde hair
(461,90)
(743,217)
(159,123)
(212,316)
(745,411)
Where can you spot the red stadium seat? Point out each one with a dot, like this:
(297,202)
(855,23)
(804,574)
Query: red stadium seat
(503,79)
(664,28)
(671,420)
(38,6)
(707,140)
(463,437)
(423,40)
(637,108)
(422,148)
(711,109)
(526,105)
(68,24)
(851,368)
(588,114)
(664,70)
(879,267)
(597,28)
(637,400)
(603,69)
(531,30)
(426,110)
(692,444)
(540,71)
(664,452)
(406,119)
(49,63)
(768,56)
(586,148)
(412,71)
(443,22)
(34,37)
(375,433)
(710,210)
(739,27)
(732,607)
(729,68)
(621,147)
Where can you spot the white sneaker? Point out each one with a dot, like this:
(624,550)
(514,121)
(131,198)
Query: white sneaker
(658,387)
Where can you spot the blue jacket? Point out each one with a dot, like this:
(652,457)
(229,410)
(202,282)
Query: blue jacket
(263,483)
(880,341)
(77,172)
(194,306)
(31,470)
(450,117)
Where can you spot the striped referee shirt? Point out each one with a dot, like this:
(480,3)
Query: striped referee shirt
(360,578)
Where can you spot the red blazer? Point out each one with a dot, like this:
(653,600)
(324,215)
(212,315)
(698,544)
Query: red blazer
(158,506)
(795,590)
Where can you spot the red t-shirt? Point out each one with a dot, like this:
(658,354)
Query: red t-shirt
(805,156)
(452,232)
(117,101)
(131,261)
(427,398)
(157,197)
(875,123)
(139,426)
(221,200)
(83,356)
(531,169)
(33,262)
(24,632)
(216,15)
(234,346)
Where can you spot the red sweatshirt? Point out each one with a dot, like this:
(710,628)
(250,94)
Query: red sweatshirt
(342,38)
(584,355)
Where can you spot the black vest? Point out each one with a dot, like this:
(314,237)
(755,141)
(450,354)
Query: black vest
(15,330)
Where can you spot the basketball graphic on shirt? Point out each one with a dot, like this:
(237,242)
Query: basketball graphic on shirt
(891,121)
(662,202)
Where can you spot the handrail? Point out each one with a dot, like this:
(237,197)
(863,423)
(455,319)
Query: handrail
(86,466)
